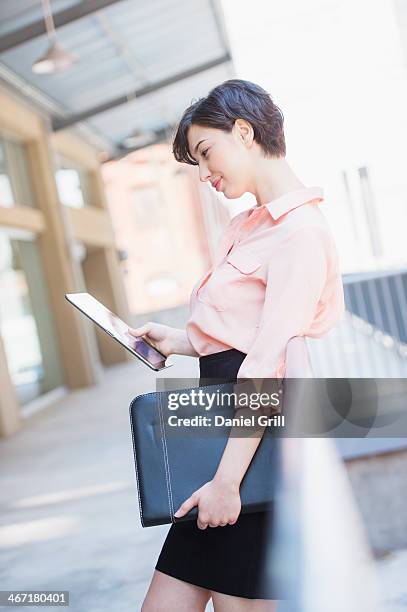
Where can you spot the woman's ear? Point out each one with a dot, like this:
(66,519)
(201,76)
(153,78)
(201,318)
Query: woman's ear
(244,131)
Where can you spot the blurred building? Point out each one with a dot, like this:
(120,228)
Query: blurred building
(165,224)
(82,83)
(55,237)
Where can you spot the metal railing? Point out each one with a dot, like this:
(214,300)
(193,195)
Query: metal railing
(319,540)
(371,339)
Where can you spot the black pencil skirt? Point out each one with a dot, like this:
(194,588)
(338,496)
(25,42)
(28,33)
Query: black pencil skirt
(231,559)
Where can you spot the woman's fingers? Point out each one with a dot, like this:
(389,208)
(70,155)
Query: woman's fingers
(202,522)
(221,523)
(140,331)
(186,506)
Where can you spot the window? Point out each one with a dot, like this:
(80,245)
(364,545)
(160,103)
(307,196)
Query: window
(370,211)
(73,185)
(15,181)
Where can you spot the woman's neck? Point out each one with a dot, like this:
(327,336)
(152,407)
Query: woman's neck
(272,179)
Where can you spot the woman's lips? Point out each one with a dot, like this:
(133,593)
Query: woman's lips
(217,184)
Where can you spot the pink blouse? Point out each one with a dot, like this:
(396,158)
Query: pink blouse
(275,276)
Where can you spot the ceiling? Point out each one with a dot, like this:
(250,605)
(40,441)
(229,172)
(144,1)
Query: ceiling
(140,63)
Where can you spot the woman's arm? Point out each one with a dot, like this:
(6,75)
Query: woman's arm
(304,295)
(218,500)
(182,344)
(237,457)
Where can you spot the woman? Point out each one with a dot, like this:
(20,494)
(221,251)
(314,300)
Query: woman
(275,277)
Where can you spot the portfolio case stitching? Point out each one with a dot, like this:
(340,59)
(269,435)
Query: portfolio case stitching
(135,463)
(168,463)
(164,455)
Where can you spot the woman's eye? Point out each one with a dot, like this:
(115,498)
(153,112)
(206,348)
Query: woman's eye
(204,152)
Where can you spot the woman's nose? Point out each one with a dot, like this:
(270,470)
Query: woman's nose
(204,175)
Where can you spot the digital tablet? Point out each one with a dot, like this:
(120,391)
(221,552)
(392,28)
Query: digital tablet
(117,329)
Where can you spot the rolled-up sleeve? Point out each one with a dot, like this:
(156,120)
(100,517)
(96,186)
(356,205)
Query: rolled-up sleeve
(296,280)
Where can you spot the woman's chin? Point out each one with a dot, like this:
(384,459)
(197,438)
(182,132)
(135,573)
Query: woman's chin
(232,195)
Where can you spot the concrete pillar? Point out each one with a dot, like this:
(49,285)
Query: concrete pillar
(9,409)
(76,355)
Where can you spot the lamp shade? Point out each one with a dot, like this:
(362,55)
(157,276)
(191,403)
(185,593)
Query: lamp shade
(55,59)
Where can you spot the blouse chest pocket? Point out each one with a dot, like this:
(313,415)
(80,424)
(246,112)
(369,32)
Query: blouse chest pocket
(244,263)
(223,287)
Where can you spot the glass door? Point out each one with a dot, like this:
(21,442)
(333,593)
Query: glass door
(26,322)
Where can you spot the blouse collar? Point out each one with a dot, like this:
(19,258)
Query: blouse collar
(288,201)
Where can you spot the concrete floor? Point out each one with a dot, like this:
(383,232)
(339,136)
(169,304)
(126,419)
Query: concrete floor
(392,572)
(69,517)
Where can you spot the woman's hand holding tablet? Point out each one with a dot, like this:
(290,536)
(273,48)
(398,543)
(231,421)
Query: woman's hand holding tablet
(119,330)
(168,340)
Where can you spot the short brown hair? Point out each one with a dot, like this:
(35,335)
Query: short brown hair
(234,99)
